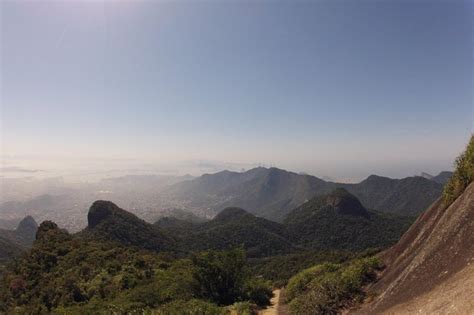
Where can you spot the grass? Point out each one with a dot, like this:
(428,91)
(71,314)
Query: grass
(326,288)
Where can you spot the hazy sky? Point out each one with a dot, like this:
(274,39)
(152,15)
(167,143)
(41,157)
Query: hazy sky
(337,88)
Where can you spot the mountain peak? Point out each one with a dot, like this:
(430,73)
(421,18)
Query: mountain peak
(27,229)
(27,225)
(426,175)
(231,213)
(346,203)
(374,177)
(100,210)
(108,221)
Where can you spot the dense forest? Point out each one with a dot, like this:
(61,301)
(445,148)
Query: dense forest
(66,274)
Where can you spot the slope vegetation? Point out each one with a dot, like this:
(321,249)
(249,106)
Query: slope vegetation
(106,221)
(68,274)
(407,196)
(335,221)
(232,227)
(9,249)
(339,221)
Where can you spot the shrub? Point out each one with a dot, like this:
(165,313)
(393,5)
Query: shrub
(299,283)
(258,291)
(191,307)
(463,174)
(324,289)
(223,278)
(243,308)
(220,275)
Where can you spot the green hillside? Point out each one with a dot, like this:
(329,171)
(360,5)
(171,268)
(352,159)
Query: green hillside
(106,221)
(234,227)
(339,221)
(67,274)
(463,174)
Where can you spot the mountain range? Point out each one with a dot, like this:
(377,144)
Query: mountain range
(265,192)
(336,221)
(272,193)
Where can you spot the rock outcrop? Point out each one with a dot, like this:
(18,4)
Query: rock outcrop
(431,269)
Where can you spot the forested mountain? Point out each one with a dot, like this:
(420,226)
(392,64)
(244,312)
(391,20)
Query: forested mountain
(407,196)
(339,221)
(106,221)
(428,271)
(234,227)
(442,177)
(266,192)
(9,249)
(70,274)
(335,221)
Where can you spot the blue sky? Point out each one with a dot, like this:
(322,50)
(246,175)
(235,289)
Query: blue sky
(336,88)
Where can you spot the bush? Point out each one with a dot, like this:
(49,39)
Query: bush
(463,175)
(221,275)
(258,291)
(223,278)
(243,308)
(191,307)
(298,283)
(324,289)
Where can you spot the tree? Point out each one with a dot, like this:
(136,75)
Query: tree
(221,275)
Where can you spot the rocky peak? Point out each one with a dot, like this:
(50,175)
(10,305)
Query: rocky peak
(346,203)
(99,211)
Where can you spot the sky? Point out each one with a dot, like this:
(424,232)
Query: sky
(342,89)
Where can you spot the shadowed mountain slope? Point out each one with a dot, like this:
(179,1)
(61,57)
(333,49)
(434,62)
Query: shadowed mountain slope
(27,229)
(339,221)
(272,193)
(267,192)
(336,221)
(108,222)
(9,249)
(407,196)
(442,177)
(232,227)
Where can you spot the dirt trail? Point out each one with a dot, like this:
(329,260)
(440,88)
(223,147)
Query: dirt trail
(273,308)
